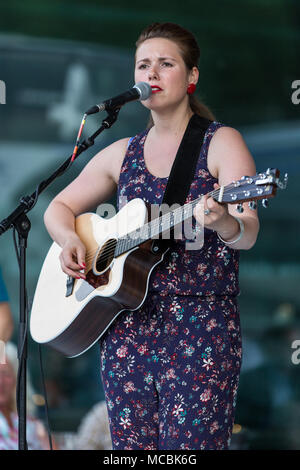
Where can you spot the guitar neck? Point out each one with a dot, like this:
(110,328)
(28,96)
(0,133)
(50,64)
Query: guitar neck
(248,188)
(154,228)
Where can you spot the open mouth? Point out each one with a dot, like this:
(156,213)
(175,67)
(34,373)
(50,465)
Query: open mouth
(155,89)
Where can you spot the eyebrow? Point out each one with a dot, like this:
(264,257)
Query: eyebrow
(160,59)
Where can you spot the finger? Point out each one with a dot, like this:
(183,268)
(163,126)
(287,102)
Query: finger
(204,200)
(203,206)
(81,255)
(198,210)
(69,262)
(75,274)
(215,206)
(211,204)
(70,267)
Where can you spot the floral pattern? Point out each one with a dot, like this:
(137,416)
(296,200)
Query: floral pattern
(170,369)
(170,373)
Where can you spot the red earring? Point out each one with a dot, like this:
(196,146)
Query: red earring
(191,88)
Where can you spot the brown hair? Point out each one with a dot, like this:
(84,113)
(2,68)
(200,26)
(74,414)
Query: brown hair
(189,50)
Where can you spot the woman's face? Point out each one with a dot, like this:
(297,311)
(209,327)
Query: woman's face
(159,63)
(7,384)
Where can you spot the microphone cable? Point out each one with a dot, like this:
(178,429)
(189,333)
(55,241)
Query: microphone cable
(78,137)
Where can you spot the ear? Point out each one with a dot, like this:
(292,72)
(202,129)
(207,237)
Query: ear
(194,75)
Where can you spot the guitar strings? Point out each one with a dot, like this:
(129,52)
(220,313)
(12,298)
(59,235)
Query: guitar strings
(110,247)
(91,254)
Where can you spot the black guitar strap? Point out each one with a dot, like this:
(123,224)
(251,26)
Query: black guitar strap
(183,168)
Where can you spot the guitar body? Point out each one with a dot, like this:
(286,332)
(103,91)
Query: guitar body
(72,323)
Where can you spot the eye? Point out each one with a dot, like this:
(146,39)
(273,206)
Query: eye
(142,66)
(167,64)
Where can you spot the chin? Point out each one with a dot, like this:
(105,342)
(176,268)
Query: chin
(157,106)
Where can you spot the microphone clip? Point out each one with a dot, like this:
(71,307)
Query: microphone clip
(112,116)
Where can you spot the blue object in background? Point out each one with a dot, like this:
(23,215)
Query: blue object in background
(3,291)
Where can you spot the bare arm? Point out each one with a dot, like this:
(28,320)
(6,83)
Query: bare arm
(96,183)
(232,161)
(6,322)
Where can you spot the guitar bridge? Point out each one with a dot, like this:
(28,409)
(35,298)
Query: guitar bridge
(70,286)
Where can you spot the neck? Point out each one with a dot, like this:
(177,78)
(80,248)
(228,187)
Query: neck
(171,123)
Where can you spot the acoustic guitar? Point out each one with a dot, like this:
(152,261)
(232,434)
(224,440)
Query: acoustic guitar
(69,314)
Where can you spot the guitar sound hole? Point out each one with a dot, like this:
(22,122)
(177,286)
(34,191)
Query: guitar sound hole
(106,255)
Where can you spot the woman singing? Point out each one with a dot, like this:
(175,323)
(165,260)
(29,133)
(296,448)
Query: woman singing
(170,369)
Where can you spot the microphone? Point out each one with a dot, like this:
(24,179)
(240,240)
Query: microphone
(140,91)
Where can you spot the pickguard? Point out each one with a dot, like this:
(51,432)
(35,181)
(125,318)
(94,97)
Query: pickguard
(91,283)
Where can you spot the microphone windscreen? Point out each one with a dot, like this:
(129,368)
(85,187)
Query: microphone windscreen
(144,89)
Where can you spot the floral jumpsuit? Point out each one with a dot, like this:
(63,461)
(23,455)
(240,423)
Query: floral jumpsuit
(170,369)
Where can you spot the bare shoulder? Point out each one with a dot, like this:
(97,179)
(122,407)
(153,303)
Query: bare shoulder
(227,138)
(229,155)
(112,158)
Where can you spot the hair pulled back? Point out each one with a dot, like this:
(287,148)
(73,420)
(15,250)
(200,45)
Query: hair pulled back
(189,50)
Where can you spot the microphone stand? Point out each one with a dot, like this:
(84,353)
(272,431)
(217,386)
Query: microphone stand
(20,222)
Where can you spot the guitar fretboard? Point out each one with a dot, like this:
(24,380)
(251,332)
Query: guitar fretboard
(154,228)
(260,186)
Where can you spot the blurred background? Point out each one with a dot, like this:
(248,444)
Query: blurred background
(57,58)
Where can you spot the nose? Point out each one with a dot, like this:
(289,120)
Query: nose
(153,73)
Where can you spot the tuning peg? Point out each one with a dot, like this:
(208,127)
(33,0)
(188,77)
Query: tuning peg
(265,203)
(283,185)
(252,205)
(240,208)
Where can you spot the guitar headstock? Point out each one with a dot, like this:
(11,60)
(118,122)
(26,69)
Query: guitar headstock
(251,188)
